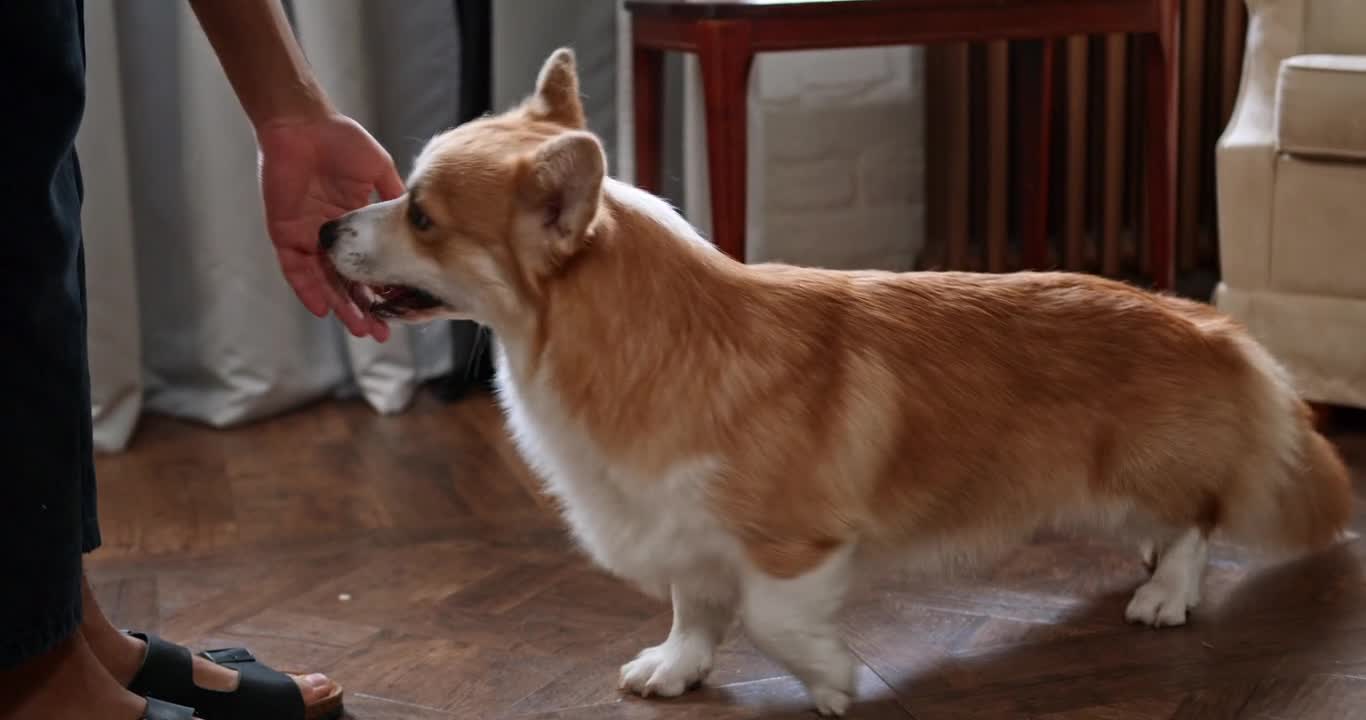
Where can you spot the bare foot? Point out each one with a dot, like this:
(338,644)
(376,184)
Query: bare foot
(122,654)
(67,683)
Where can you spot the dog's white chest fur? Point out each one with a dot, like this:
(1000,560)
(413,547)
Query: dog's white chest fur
(649,530)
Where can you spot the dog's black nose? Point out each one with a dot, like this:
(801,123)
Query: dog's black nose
(327,235)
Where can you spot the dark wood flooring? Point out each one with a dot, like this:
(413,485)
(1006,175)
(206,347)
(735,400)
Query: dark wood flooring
(412,558)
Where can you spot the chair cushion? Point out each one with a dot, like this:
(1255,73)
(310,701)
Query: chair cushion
(1317,338)
(1321,106)
(1317,247)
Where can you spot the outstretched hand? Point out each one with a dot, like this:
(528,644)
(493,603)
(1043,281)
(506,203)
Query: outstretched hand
(314,170)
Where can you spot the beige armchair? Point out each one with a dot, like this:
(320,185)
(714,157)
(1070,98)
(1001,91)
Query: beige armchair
(1292,193)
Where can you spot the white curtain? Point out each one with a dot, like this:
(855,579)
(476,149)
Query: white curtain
(189,314)
(525,32)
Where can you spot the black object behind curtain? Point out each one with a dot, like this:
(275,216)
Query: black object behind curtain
(472,367)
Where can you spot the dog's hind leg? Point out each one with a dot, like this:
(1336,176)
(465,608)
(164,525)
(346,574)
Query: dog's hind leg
(1175,584)
(793,622)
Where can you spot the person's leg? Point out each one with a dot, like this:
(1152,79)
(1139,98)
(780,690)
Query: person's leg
(49,667)
(47,492)
(67,682)
(122,655)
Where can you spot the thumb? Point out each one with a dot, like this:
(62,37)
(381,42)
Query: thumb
(389,184)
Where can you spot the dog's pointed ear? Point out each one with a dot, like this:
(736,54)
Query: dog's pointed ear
(563,188)
(557,92)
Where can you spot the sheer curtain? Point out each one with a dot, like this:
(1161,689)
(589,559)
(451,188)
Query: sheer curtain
(189,314)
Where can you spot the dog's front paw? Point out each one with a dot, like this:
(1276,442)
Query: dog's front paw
(1159,604)
(831,702)
(667,670)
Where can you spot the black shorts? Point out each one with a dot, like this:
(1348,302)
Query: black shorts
(47,478)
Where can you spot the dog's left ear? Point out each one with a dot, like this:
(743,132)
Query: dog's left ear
(557,92)
(563,187)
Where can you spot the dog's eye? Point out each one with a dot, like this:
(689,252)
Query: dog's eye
(417,217)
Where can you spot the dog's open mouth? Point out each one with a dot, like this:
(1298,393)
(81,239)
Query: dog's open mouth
(391,301)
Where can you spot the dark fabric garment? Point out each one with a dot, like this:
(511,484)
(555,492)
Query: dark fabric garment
(47,478)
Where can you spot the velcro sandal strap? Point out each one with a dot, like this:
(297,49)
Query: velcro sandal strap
(262,693)
(166,673)
(228,656)
(160,710)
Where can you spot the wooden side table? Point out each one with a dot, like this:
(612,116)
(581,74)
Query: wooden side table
(726,34)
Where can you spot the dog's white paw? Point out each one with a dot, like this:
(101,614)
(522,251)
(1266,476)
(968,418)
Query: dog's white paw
(1159,604)
(831,702)
(666,670)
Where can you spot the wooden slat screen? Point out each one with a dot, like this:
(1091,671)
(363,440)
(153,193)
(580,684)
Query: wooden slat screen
(1096,189)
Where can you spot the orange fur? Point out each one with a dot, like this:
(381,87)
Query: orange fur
(897,408)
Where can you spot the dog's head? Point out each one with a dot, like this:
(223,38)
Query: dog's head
(493,208)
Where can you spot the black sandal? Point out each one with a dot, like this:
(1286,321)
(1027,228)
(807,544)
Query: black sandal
(262,693)
(158,710)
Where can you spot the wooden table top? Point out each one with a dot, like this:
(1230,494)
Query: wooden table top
(723,9)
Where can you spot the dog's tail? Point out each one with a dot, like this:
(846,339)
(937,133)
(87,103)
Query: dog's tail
(1297,494)
(1316,503)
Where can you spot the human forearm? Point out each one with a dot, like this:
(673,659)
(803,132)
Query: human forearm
(262,60)
(315,164)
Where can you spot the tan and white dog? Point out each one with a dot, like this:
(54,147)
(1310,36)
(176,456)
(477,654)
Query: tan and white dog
(746,438)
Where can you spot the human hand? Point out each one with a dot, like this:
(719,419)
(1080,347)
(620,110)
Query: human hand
(315,169)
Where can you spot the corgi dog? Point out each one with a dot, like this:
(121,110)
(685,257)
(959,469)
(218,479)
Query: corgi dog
(747,440)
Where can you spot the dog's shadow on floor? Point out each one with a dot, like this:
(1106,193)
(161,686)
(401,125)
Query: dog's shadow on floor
(1289,621)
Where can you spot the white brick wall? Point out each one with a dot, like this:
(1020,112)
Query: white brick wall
(839,146)
(836,155)
(837,170)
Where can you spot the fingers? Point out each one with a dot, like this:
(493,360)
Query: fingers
(351,316)
(379,329)
(319,290)
(389,184)
(358,323)
(303,280)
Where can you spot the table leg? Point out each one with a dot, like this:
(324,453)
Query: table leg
(998,99)
(1035,156)
(647,80)
(726,55)
(1116,130)
(1163,68)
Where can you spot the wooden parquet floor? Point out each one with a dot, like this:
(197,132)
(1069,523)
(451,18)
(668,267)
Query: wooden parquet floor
(412,558)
